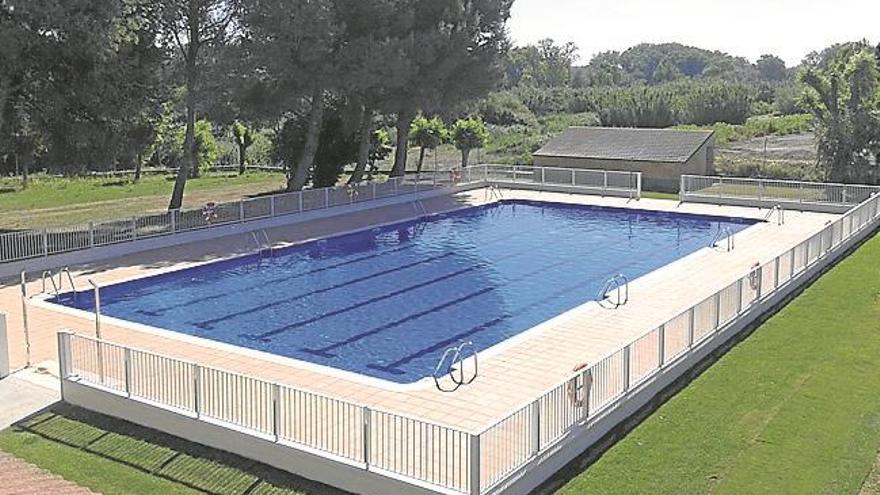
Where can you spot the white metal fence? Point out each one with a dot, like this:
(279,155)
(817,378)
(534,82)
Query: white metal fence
(514,441)
(695,187)
(352,433)
(16,246)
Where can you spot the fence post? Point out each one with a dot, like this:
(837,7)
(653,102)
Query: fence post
(272,205)
(97,290)
(791,275)
(64,358)
(241,210)
(760,283)
(276,411)
(127,364)
(197,389)
(717,316)
(661,346)
(535,427)
(91,234)
(300,201)
(4,347)
(572,176)
(604,181)
(373,188)
(475,465)
(365,433)
(326,197)
(134,229)
(626,355)
(739,296)
(543,180)
(174,221)
(690,332)
(24,319)
(45,242)
(776,273)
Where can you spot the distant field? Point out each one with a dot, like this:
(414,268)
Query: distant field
(51,201)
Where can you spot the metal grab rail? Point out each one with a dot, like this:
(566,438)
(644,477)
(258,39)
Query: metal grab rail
(456,357)
(780,214)
(47,274)
(493,192)
(66,270)
(724,233)
(620,285)
(262,242)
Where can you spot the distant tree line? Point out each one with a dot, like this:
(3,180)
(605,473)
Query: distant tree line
(100,84)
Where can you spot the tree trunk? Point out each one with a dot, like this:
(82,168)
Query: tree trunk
(465,153)
(190,162)
(5,87)
(27,160)
(306,159)
(421,160)
(404,122)
(137,167)
(364,140)
(241,165)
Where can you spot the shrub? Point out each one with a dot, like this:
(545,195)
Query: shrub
(506,109)
(468,134)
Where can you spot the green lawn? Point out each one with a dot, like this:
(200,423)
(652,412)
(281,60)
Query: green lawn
(795,408)
(54,201)
(660,195)
(110,456)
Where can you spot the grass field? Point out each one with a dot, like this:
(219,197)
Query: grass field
(52,201)
(114,457)
(795,408)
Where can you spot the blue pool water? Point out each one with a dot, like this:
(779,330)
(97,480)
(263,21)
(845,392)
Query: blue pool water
(388,302)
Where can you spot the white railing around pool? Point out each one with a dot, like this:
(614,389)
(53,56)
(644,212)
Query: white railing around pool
(773,192)
(15,246)
(439,455)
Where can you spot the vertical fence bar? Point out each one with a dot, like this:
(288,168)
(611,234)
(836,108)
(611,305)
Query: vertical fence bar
(91,234)
(276,411)
(626,367)
(45,242)
(365,434)
(661,346)
(24,319)
(197,389)
(126,357)
(474,469)
(535,427)
(716,319)
(690,329)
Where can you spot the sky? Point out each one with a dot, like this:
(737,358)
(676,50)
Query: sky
(748,28)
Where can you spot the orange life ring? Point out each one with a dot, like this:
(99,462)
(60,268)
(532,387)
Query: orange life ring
(578,395)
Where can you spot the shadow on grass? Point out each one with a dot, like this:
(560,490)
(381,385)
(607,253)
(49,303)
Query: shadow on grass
(8,190)
(154,453)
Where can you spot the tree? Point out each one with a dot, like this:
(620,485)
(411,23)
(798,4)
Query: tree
(450,53)
(843,94)
(469,134)
(295,47)
(427,134)
(244,138)
(544,65)
(190,26)
(206,146)
(771,68)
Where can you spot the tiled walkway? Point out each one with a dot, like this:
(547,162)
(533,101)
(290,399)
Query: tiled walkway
(525,367)
(20,478)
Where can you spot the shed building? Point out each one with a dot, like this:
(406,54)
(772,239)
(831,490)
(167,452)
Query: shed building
(662,155)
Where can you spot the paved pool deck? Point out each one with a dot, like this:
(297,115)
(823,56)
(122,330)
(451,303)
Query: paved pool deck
(510,376)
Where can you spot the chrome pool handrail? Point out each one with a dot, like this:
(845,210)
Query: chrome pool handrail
(456,356)
(620,285)
(724,233)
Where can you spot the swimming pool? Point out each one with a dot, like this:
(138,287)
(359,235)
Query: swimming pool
(387,302)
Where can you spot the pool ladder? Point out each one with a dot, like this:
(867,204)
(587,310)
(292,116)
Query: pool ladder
(493,192)
(780,214)
(619,286)
(453,360)
(420,207)
(725,234)
(261,240)
(57,286)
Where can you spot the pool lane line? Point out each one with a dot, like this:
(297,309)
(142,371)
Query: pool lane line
(208,324)
(394,367)
(325,351)
(410,244)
